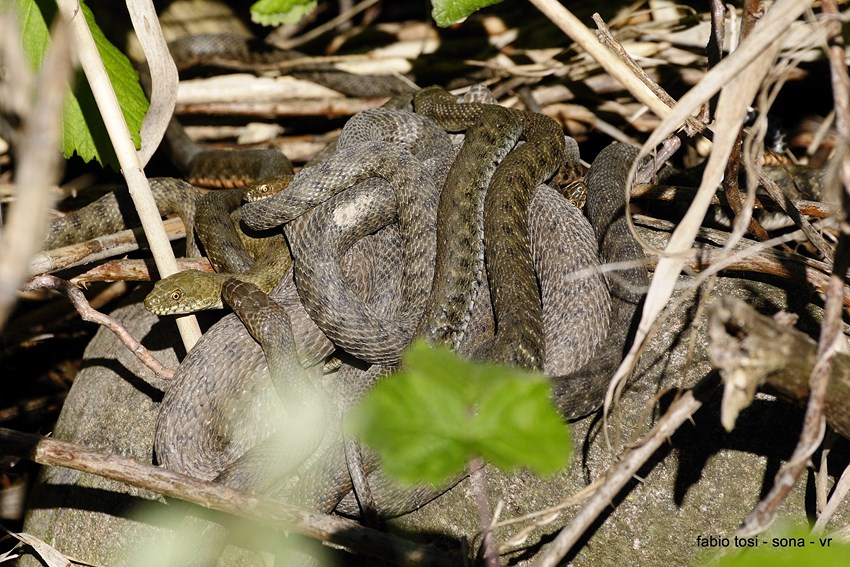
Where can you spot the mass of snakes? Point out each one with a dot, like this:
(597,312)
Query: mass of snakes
(393,235)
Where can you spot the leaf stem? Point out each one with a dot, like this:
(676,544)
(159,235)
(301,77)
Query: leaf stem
(485,514)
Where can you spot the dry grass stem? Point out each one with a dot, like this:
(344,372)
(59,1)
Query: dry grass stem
(333,23)
(607,39)
(330,108)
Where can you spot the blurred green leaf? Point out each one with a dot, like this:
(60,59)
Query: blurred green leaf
(519,426)
(83,129)
(277,12)
(429,420)
(182,534)
(447,12)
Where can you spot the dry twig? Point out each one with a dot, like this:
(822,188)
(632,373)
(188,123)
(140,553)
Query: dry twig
(329,107)
(75,295)
(282,516)
(97,248)
(134,270)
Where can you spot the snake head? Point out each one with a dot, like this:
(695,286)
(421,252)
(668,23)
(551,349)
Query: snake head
(267,187)
(185,292)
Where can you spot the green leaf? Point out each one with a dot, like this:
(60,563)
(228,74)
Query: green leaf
(536,436)
(276,12)
(447,12)
(83,129)
(797,548)
(428,421)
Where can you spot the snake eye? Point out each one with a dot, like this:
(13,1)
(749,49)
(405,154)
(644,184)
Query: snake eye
(263,189)
(176,295)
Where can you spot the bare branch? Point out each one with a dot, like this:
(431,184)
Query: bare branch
(98,248)
(283,516)
(135,270)
(78,299)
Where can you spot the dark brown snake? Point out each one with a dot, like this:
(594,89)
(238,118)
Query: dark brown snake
(486,162)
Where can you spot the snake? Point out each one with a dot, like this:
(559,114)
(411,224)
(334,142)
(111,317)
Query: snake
(259,259)
(184,441)
(114,211)
(544,205)
(492,132)
(401,149)
(264,171)
(265,464)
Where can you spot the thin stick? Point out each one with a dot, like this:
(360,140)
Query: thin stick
(332,107)
(840,83)
(674,193)
(793,213)
(135,270)
(78,299)
(119,134)
(623,472)
(841,94)
(813,425)
(97,248)
(279,515)
(733,164)
(773,264)
(608,39)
